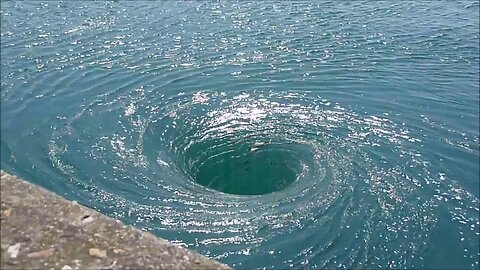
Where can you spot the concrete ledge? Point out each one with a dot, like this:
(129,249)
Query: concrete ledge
(42,230)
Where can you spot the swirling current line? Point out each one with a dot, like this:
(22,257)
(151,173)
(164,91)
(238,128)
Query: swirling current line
(358,183)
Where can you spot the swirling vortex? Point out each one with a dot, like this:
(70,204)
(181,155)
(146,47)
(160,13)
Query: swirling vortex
(357,191)
(356,186)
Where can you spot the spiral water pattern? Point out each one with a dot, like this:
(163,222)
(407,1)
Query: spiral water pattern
(269,135)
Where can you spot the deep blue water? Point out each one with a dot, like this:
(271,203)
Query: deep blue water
(270,134)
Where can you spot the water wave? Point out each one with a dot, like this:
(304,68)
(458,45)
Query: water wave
(264,135)
(357,183)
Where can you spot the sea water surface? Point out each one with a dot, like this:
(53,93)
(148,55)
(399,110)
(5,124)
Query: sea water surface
(277,134)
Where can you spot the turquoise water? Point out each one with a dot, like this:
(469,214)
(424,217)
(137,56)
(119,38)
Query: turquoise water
(265,135)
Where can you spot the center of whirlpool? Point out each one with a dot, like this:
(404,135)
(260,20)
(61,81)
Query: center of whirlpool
(245,170)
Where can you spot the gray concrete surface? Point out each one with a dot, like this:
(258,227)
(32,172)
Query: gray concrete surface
(42,230)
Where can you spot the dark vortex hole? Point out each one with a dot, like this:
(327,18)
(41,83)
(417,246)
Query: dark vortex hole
(253,173)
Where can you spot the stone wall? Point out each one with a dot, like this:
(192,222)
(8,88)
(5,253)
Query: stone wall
(42,230)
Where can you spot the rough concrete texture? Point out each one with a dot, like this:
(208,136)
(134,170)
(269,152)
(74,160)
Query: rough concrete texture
(42,230)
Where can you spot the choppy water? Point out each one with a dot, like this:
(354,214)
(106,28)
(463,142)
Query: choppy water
(277,134)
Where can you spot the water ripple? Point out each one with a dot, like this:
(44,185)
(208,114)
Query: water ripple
(349,131)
